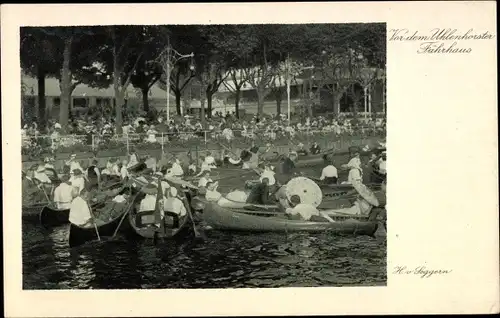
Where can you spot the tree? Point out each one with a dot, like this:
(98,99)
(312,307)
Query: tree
(238,81)
(38,59)
(123,50)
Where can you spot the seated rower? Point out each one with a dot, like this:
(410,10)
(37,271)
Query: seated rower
(79,212)
(364,203)
(77,180)
(301,151)
(124,175)
(63,194)
(133,160)
(204,180)
(212,194)
(174,204)
(329,175)
(355,172)
(315,149)
(93,175)
(149,201)
(300,210)
(260,193)
(177,168)
(269,174)
(73,163)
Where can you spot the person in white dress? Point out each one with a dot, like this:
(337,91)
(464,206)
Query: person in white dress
(132,160)
(301,210)
(74,164)
(63,194)
(77,180)
(212,194)
(149,201)
(269,174)
(177,168)
(79,212)
(124,171)
(355,171)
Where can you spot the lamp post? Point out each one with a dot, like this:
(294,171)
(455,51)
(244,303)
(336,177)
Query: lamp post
(173,57)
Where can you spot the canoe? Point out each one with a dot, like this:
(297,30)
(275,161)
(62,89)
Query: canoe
(79,235)
(142,224)
(228,219)
(50,216)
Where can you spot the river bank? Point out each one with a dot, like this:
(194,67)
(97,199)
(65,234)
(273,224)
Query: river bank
(184,154)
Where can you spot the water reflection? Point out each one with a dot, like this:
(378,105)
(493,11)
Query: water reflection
(224,260)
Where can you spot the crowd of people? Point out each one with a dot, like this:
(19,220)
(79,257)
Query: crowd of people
(150,130)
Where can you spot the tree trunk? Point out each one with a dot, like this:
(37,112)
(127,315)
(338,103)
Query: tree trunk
(120,100)
(202,111)
(209,103)
(178,95)
(40,76)
(145,98)
(237,94)
(65,85)
(336,103)
(278,102)
(260,102)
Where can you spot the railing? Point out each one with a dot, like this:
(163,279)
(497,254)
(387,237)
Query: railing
(35,147)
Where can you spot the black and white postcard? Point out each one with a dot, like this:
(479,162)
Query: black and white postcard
(175,156)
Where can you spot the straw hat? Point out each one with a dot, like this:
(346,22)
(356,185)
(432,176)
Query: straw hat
(57,126)
(149,189)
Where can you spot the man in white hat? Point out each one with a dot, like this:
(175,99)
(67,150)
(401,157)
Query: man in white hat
(149,201)
(174,204)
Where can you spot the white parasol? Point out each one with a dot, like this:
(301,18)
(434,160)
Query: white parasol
(308,191)
(366,193)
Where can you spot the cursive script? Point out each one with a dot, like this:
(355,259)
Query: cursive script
(421,271)
(440,40)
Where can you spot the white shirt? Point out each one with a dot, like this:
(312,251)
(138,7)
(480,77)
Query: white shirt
(213,195)
(79,212)
(78,183)
(115,170)
(237,196)
(75,165)
(304,210)
(148,203)
(63,197)
(124,172)
(177,169)
(203,182)
(270,175)
(382,166)
(175,205)
(354,175)
(329,172)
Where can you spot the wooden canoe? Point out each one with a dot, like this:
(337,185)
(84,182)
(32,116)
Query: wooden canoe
(79,235)
(227,219)
(142,223)
(50,216)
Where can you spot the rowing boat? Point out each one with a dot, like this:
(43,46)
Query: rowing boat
(230,219)
(107,220)
(50,216)
(143,225)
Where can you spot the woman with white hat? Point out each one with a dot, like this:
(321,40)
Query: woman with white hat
(355,171)
(364,203)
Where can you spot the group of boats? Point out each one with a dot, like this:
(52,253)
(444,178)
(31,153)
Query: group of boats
(128,221)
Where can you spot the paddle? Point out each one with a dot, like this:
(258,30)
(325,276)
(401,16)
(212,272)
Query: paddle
(124,215)
(197,233)
(93,221)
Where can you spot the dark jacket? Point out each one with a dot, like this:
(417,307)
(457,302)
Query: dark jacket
(259,195)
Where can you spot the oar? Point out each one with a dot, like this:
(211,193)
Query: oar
(197,233)
(94,221)
(129,208)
